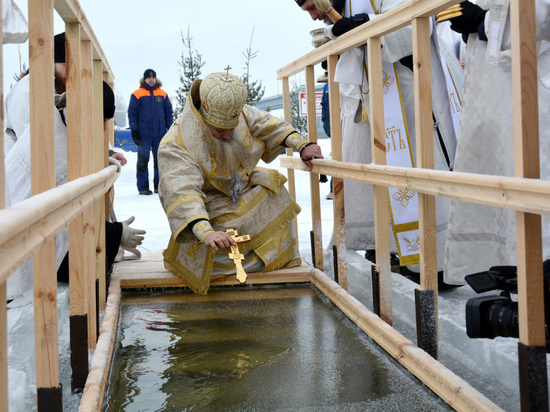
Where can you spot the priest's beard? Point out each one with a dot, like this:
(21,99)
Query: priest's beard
(230,154)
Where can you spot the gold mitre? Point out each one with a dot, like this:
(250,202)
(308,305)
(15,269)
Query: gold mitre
(222,99)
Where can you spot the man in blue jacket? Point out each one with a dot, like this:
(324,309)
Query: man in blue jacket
(150,115)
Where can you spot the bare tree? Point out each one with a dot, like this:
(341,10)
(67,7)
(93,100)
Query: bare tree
(255,89)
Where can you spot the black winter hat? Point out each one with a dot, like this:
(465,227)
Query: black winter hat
(59,48)
(108,102)
(149,73)
(300,3)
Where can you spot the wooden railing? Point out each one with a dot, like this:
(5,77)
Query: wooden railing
(28,228)
(524,193)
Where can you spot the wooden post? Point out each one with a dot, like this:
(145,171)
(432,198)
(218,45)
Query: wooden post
(289,152)
(78,317)
(426,296)
(42,128)
(337,183)
(532,357)
(378,145)
(101,156)
(89,255)
(314,177)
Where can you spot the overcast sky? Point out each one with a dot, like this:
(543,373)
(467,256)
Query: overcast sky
(136,35)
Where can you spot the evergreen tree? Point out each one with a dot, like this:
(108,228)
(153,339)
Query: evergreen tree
(298,122)
(255,89)
(190,64)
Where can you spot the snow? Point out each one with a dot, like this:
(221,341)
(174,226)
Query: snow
(489,366)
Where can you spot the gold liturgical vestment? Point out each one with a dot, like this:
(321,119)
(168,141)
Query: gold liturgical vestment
(194,184)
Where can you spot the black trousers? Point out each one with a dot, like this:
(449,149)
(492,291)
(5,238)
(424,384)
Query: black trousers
(113,235)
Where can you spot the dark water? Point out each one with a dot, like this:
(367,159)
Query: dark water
(253,350)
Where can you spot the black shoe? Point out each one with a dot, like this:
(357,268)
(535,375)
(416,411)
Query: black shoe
(371,255)
(145,192)
(415,277)
(156,190)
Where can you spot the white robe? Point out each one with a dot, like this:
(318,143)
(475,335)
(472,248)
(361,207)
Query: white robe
(481,236)
(356,135)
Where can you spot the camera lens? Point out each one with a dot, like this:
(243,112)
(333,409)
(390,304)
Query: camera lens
(503,317)
(491,316)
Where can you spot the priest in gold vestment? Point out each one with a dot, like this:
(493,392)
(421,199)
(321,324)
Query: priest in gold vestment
(210,182)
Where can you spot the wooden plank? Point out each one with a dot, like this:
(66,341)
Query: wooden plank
(291,184)
(314,177)
(527,195)
(337,184)
(384,23)
(451,388)
(222,295)
(533,372)
(426,296)
(88,220)
(94,391)
(527,164)
(424,150)
(74,162)
(149,272)
(378,150)
(43,178)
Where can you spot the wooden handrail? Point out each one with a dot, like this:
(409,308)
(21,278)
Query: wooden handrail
(383,24)
(527,195)
(27,225)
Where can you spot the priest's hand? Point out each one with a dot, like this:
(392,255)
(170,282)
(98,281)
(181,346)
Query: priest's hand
(470,20)
(219,240)
(309,152)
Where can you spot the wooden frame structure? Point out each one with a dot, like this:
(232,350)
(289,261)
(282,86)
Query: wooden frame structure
(145,273)
(489,190)
(28,228)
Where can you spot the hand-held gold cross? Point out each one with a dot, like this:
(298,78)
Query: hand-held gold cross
(235,255)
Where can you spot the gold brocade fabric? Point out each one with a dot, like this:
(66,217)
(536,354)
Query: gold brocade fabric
(196,184)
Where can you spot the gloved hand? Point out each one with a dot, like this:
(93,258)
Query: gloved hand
(131,237)
(472,17)
(346,24)
(136,137)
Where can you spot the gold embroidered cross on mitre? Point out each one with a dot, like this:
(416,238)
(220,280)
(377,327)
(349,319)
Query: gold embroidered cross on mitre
(237,256)
(226,76)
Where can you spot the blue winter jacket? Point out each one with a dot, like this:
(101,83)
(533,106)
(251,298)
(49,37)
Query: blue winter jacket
(150,111)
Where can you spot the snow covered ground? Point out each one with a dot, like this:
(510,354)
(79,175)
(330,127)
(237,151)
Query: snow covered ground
(489,366)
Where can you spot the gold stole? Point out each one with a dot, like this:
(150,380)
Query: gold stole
(403,203)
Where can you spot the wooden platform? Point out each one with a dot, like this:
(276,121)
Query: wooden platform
(149,272)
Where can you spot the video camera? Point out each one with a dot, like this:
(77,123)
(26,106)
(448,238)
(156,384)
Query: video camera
(492,316)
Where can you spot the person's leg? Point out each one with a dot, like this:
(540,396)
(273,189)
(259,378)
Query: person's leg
(142,167)
(155,149)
